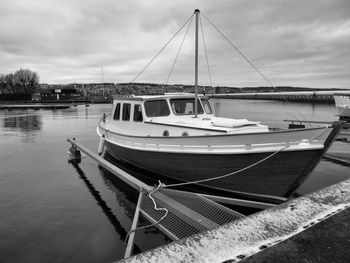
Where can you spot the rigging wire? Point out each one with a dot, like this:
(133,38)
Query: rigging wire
(205,49)
(160,51)
(251,63)
(237,49)
(178,52)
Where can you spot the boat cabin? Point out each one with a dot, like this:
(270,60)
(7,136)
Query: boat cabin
(159,106)
(171,115)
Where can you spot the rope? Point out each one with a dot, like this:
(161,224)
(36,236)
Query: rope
(240,170)
(205,49)
(160,185)
(160,51)
(178,52)
(229,174)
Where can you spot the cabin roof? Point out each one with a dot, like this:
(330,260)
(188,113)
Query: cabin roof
(157,97)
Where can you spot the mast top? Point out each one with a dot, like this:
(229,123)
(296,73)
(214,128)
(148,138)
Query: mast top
(197,11)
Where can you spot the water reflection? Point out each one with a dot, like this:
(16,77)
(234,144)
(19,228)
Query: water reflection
(26,123)
(112,218)
(126,197)
(24,126)
(105,208)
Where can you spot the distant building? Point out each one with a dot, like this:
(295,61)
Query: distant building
(56,95)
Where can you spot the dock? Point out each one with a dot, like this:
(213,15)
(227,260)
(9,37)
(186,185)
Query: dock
(295,231)
(300,96)
(204,231)
(33,106)
(177,214)
(327,241)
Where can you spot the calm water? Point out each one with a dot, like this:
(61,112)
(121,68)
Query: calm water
(52,211)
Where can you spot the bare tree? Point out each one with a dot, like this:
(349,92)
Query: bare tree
(2,83)
(7,82)
(26,81)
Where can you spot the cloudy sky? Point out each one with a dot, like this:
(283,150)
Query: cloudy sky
(298,43)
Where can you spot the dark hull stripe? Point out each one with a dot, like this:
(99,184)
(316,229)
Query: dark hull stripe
(275,176)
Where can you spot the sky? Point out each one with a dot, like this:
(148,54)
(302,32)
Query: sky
(292,43)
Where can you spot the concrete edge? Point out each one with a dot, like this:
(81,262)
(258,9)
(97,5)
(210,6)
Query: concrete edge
(250,235)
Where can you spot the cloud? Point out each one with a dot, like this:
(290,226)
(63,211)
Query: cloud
(299,43)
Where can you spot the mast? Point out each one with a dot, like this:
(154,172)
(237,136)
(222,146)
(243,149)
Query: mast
(196,66)
(103,85)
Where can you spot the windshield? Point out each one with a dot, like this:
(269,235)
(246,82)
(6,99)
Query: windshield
(156,108)
(206,106)
(185,106)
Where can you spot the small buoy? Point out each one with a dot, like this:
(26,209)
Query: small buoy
(101,145)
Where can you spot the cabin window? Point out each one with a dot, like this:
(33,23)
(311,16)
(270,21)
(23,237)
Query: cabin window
(126,111)
(185,106)
(206,106)
(157,108)
(117,112)
(165,133)
(138,113)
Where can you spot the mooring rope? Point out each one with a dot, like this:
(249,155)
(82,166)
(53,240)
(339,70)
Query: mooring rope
(240,170)
(229,174)
(160,185)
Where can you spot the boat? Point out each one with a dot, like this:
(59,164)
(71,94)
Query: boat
(342,103)
(178,136)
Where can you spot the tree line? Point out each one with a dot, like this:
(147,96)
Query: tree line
(23,81)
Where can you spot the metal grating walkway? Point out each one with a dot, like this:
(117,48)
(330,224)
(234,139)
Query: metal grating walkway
(189,213)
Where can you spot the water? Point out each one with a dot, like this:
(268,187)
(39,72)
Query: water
(52,211)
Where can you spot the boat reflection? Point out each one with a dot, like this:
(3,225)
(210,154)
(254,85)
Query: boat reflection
(105,208)
(126,198)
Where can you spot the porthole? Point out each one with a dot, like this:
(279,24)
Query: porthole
(165,133)
(185,134)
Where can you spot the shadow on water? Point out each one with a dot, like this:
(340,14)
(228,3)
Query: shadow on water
(120,230)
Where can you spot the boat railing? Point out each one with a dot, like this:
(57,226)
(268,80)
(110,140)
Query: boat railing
(105,117)
(306,144)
